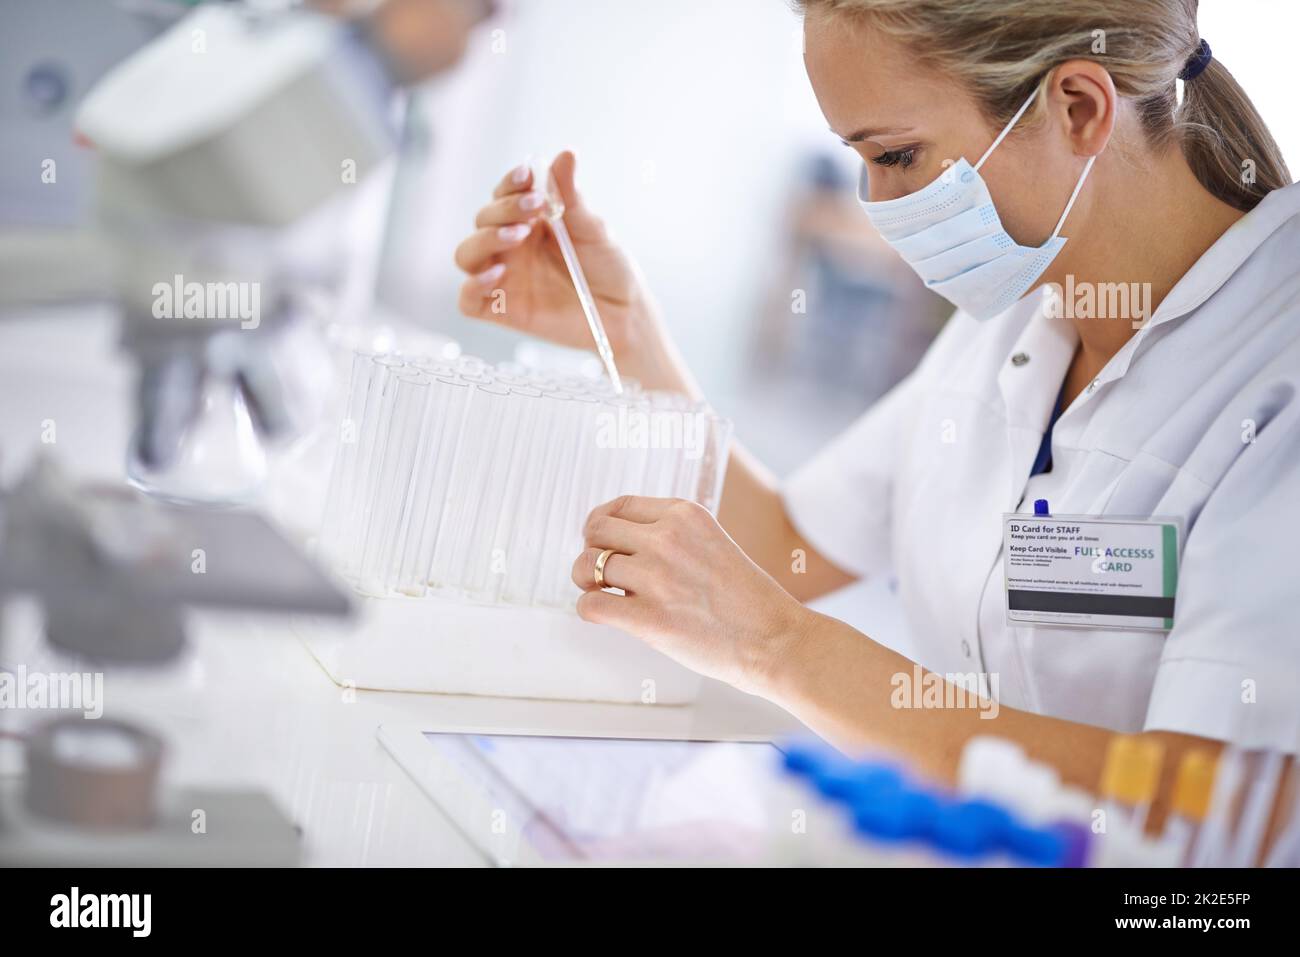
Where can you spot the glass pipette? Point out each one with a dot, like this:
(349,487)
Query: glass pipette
(554,214)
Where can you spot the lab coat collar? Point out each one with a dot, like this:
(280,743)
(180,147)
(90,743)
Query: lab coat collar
(1029,381)
(1216,266)
(1222,260)
(1034,369)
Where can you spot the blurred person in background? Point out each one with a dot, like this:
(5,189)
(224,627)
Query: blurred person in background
(990,132)
(844,315)
(419,38)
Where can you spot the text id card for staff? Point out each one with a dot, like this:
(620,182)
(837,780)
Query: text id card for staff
(1090,572)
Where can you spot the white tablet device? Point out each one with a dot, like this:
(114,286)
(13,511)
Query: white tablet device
(552,799)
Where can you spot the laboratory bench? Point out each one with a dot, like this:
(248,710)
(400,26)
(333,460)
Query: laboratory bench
(247,705)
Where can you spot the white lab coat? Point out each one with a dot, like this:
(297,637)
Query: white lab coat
(920,482)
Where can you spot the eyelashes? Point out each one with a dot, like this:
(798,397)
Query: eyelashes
(903,158)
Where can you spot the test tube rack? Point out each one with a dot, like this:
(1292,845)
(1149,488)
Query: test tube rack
(455,511)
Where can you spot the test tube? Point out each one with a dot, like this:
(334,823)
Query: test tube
(713,465)
(679,422)
(448,399)
(418,511)
(435,366)
(695,432)
(565,517)
(455,472)
(686,483)
(636,448)
(555,492)
(594,465)
(392,483)
(483,563)
(1210,848)
(470,365)
(444,576)
(526,548)
(1257,807)
(661,466)
(372,433)
(408,491)
(568,382)
(457,447)
(1286,846)
(541,380)
(523,448)
(1191,801)
(616,431)
(1130,777)
(466,498)
(343,474)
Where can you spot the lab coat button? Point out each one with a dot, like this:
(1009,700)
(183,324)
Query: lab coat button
(1092,386)
(965,647)
(1019,359)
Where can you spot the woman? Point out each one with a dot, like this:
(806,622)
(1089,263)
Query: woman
(1182,406)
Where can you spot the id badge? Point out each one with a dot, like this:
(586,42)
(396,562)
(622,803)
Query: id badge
(1084,571)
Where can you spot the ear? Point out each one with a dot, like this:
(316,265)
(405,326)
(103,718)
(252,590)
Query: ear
(1082,102)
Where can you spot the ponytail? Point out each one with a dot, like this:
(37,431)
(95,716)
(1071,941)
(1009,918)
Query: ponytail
(1225,141)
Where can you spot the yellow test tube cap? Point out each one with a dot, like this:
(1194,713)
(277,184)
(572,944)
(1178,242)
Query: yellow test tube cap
(1194,786)
(1132,771)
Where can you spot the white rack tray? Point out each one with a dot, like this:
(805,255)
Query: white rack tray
(435,645)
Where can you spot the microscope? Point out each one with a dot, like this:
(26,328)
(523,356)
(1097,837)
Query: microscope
(212,142)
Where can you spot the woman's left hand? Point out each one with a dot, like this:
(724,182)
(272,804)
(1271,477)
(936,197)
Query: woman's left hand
(690,591)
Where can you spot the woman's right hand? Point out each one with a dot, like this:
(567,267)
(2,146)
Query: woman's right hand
(517,276)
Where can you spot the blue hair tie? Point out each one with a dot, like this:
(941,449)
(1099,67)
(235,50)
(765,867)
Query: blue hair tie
(1197,62)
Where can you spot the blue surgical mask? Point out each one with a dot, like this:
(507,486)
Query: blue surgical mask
(950,233)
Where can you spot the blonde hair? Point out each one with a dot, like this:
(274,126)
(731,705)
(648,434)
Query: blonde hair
(1003,50)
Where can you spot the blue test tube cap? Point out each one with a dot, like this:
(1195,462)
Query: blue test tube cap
(806,758)
(1042,847)
(1040,507)
(853,782)
(972,828)
(896,815)
(834,775)
(1076,840)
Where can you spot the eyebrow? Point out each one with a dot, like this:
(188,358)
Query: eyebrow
(868,133)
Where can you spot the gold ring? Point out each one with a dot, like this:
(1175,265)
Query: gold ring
(601,559)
